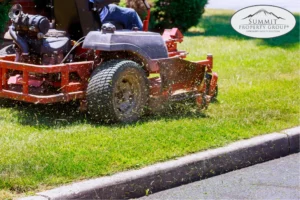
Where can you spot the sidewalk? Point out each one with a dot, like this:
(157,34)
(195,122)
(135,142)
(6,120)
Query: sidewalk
(291,5)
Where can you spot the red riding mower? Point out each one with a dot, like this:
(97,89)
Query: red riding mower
(111,71)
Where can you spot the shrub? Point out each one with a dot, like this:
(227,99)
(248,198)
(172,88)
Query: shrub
(182,14)
(4,9)
(122,3)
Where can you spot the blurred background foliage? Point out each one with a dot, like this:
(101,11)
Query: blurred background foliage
(182,14)
(165,13)
(4,8)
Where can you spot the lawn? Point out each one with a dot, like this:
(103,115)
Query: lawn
(46,146)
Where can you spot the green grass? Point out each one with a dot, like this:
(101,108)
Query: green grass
(46,146)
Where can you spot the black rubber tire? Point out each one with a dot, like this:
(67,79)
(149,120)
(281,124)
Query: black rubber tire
(208,78)
(7,50)
(214,97)
(101,91)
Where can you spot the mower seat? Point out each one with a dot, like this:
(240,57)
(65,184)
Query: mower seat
(56,45)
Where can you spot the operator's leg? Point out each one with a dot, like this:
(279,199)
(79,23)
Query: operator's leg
(127,16)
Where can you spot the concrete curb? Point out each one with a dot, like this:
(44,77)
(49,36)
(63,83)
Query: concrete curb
(162,176)
(294,139)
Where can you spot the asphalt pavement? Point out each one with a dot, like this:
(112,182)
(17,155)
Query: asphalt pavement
(291,5)
(277,179)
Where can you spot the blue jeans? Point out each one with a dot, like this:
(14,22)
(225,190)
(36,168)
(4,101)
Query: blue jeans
(126,16)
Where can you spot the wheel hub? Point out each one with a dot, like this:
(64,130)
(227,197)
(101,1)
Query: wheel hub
(126,95)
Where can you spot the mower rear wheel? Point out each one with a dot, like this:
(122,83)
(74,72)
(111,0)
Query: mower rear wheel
(118,92)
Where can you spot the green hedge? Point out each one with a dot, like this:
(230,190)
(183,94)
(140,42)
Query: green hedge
(165,13)
(182,14)
(4,9)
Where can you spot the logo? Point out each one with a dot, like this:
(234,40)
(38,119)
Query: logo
(263,21)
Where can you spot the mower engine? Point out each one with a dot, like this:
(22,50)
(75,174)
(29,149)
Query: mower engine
(32,40)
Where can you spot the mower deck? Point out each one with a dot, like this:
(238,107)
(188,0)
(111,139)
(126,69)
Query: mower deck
(177,78)
(67,91)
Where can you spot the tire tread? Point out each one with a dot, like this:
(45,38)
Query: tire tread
(100,89)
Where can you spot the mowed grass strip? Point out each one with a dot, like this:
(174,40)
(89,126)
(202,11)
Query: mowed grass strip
(46,146)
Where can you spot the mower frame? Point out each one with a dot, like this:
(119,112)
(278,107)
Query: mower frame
(177,76)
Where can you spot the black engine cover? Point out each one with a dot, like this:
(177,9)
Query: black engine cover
(49,45)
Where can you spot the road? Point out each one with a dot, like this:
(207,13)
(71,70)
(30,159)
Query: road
(277,179)
(291,5)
